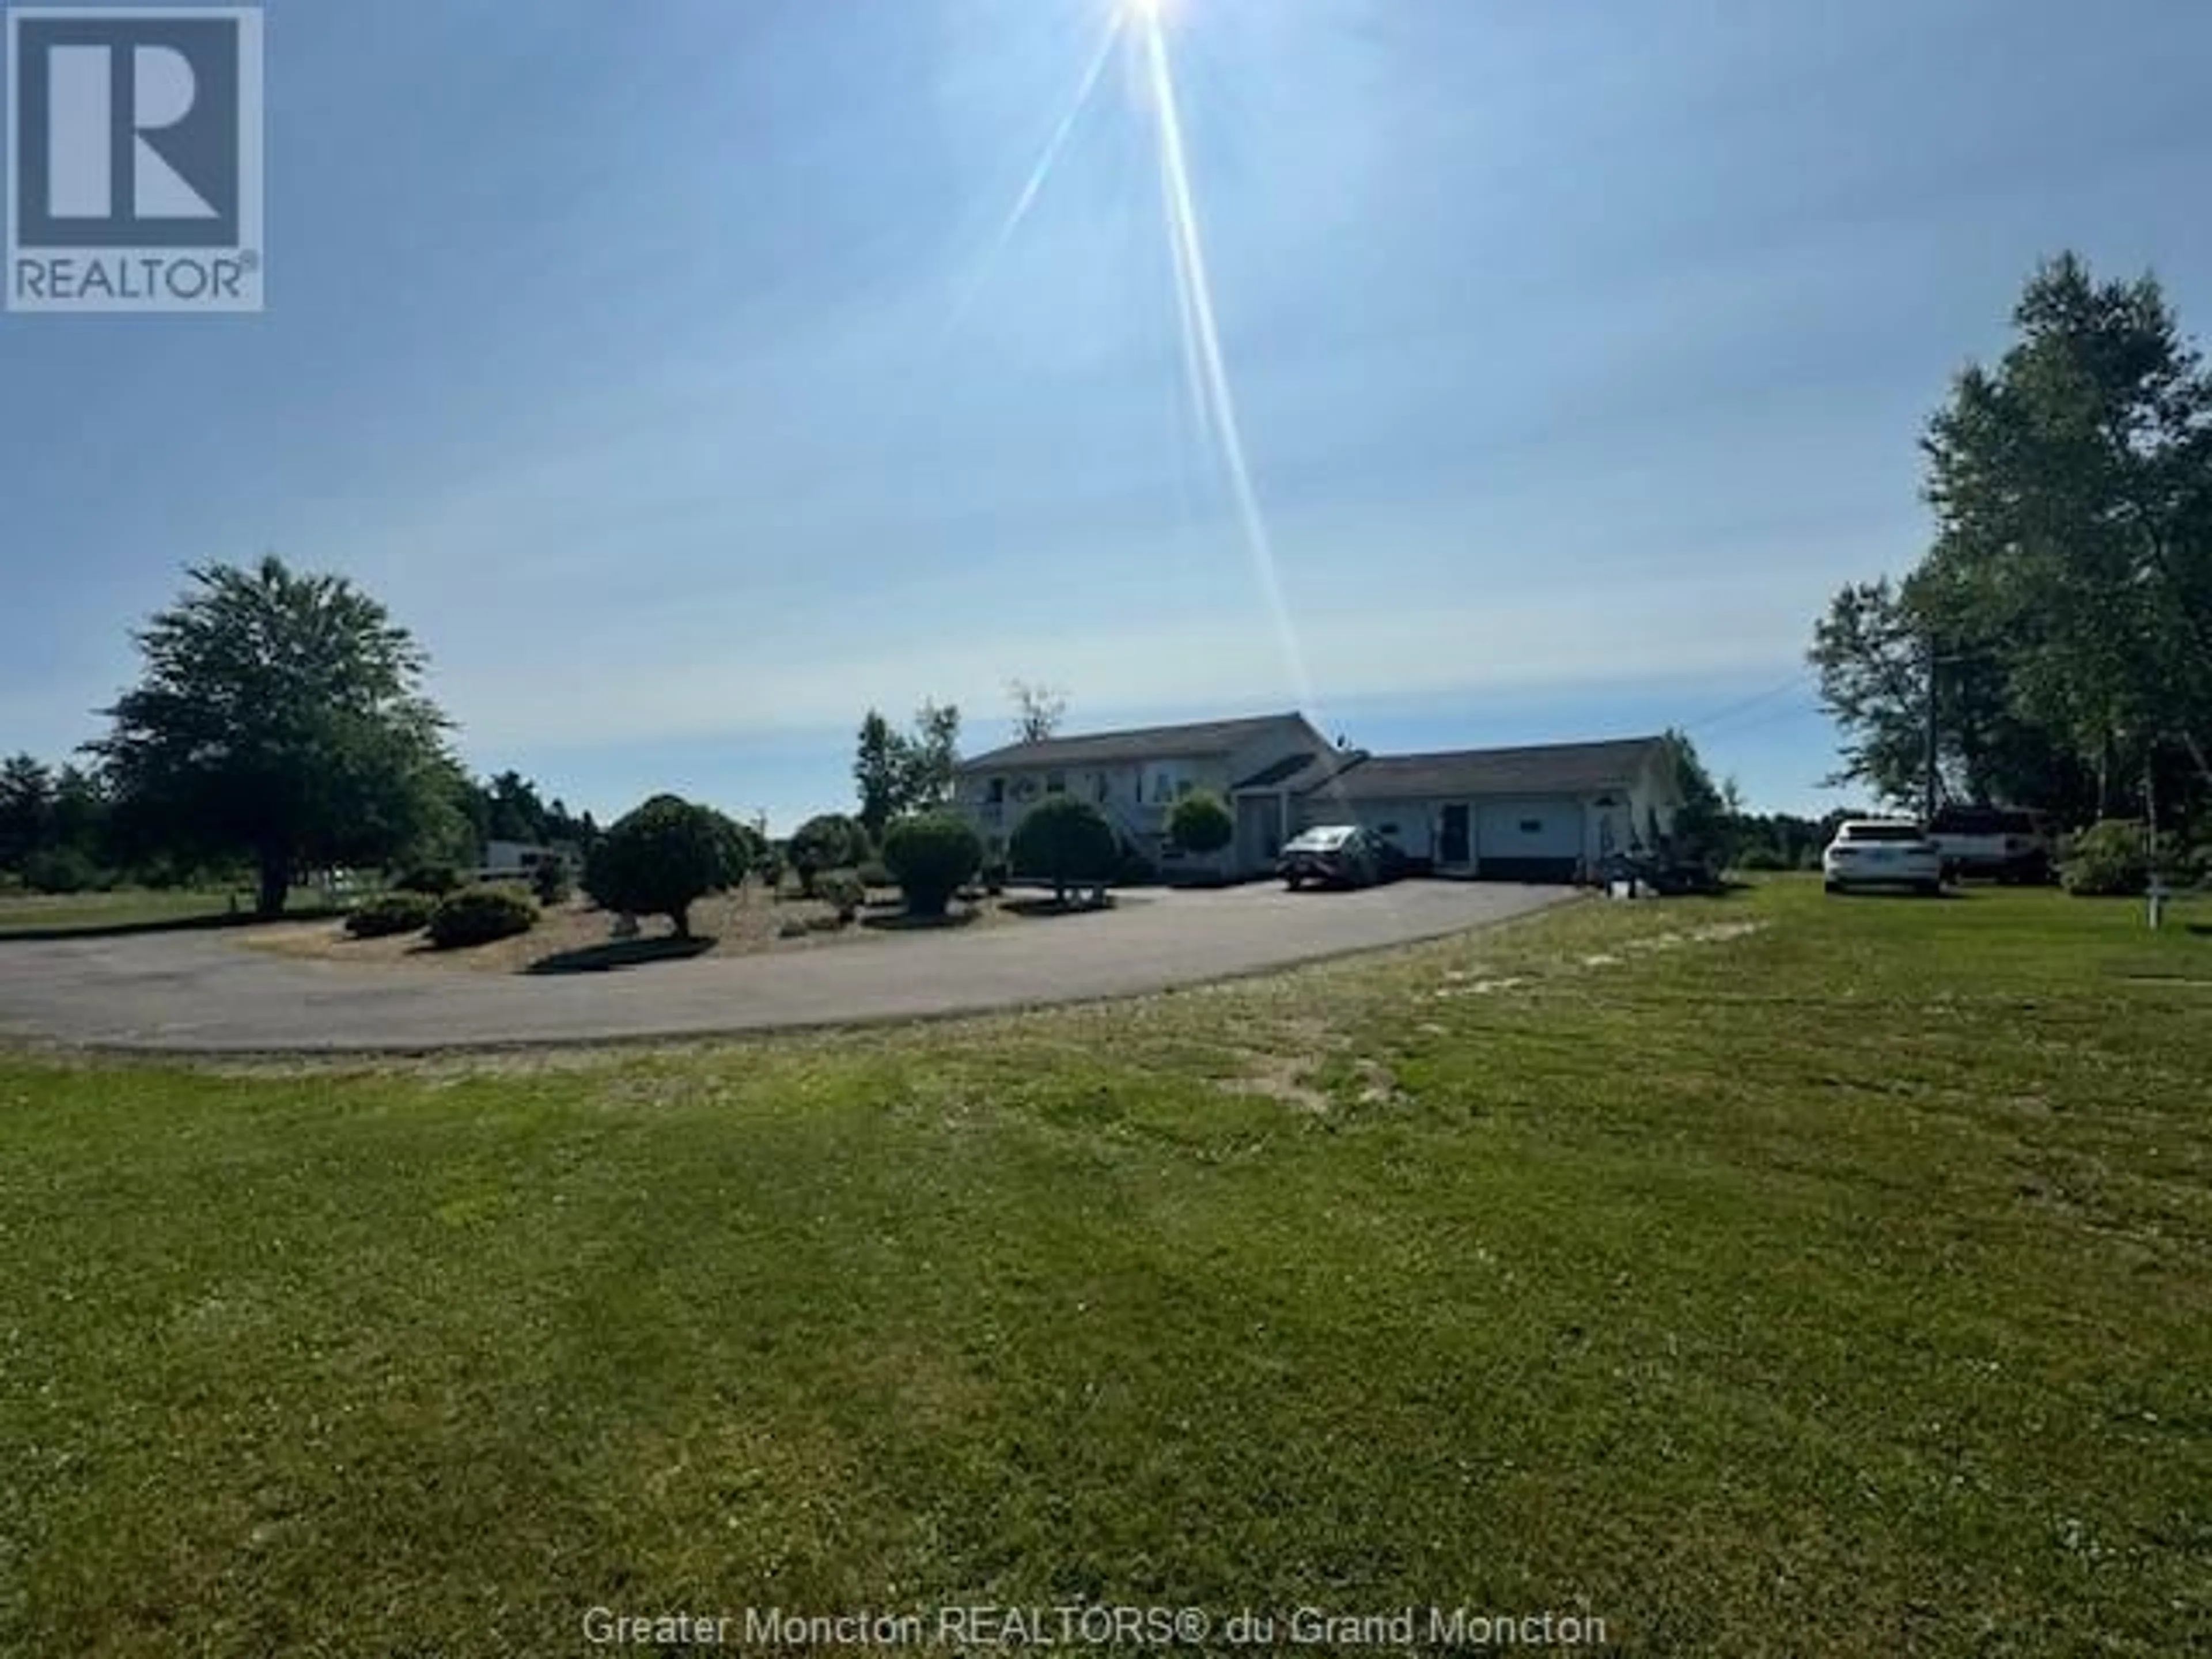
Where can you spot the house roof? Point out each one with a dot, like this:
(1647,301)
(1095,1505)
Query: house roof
(1275,774)
(1302,773)
(1539,769)
(1137,743)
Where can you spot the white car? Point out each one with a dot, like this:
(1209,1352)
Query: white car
(1882,852)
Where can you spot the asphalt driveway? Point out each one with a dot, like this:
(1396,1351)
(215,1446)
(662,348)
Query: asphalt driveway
(203,993)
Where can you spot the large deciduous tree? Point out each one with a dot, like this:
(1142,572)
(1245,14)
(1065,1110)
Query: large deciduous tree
(880,771)
(2066,600)
(1038,710)
(280,718)
(932,752)
(898,773)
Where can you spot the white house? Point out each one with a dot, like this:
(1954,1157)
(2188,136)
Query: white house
(1547,812)
(1135,776)
(1541,814)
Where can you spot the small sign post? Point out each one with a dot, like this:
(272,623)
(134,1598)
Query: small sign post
(2157,894)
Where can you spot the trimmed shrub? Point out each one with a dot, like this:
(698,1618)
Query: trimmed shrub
(842,889)
(1199,824)
(2109,859)
(662,857)
(828,842)
(435,879)
(931,856)
(874,872)
(1067,842)
(550,882)
(477,915)
(390,913)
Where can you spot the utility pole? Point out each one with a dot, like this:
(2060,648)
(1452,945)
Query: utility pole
(1930,784)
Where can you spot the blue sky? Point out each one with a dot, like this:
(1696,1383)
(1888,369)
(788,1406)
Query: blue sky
(654,364)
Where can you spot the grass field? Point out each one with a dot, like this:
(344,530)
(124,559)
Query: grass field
(1772,1275)
(129,908)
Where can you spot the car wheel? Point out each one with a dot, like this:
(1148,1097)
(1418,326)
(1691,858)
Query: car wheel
(1291,884)
(1832,889)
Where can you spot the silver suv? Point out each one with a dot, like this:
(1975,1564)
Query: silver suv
(2003,843)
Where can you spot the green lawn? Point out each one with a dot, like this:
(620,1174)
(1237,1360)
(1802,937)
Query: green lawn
(1772,1275)
(128,908)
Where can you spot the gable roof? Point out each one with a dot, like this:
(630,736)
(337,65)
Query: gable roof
(1539,769)
(1137,743)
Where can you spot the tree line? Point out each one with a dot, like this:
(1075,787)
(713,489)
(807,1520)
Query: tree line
(2052,647)
(278,727)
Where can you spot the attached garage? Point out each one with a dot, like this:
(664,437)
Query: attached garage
(1529,838)
(1549,813)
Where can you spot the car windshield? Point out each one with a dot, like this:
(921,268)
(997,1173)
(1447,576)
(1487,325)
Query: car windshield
(1323,840)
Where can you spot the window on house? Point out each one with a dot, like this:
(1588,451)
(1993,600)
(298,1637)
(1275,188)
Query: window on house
(996,794)
(1183,788)
(1098,786)
(1055,783)
(1532,826)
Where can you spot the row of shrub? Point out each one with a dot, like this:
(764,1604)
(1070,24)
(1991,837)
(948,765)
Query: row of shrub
(667,854)
(472,915)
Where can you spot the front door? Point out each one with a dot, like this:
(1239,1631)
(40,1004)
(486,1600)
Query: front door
(1451,835)
(1259,832)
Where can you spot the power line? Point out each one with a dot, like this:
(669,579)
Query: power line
(1772,692)
(1771,717)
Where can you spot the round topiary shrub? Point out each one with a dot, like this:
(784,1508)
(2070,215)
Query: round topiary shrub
(931,856)
(477,915)
(1199,824)
(662,857)
(829,841)
(390,913)
(876,872)
(435,879)
(1067,842)
(843,891)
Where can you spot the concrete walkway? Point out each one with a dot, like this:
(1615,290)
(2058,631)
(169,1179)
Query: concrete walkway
(200,993)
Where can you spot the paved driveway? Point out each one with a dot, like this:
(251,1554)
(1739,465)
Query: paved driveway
(201,992)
